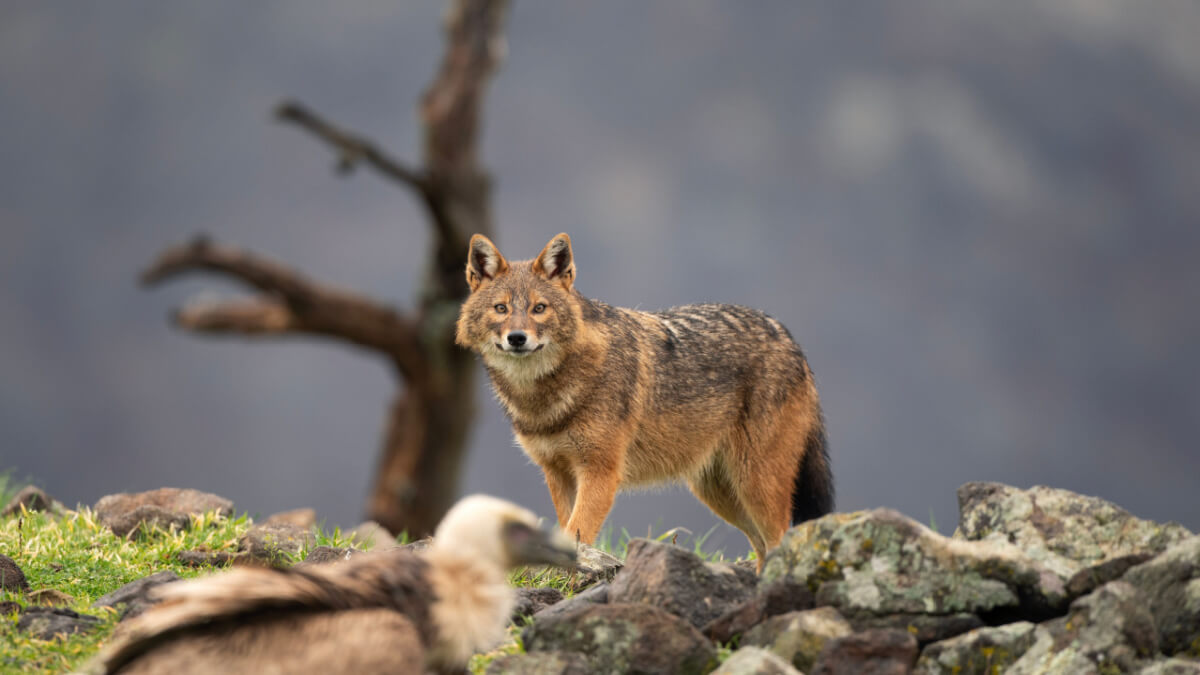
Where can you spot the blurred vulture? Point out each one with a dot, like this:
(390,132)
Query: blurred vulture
(389,612)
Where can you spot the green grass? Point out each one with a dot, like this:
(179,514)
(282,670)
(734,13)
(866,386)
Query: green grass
(74,554)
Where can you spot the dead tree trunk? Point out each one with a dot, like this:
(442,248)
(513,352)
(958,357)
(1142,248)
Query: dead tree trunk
(425,438)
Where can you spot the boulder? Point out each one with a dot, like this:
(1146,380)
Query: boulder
(755,661)
(982,651)
(125,514)
(596,595)
(925,627)
(881,562)
(306,518)
(273,542)
(623,638)
(321,555)
(779,597)
(1170,584)
(201,558)
(48,623)
(799,637)
(1064,531)
(541,663)
(8,607)
(1172,666)
(31,499)
(533,600)
(679,582)
(595,566)
(135,596)
(1110,630)
(880,652)
(11,576)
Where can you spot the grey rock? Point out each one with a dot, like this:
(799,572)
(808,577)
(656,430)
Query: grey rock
(49,597)
(1172,666)
(273,542)
(596,595)
(418,545)
(541,663)
(305,518)
(769,600)
(125,513)
(1090,578)
(209,558)
(1063,530)
(135,595)
(11,576)
(1171,586)
(624,638)
(679,582)
(799,637)
(880,652)
(323,555)
(32,499)
(8,607)
(595,566)
(533,600)
(755,661)
(48,623)
(1110,630)
(982,651)
(882,562)
(369,534)
(925,627)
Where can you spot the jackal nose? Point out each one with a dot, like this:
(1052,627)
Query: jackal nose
(517,338)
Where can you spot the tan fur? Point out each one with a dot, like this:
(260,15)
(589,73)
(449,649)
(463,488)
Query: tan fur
(602,397)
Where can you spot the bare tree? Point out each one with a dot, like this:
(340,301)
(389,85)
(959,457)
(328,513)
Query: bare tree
(425,438)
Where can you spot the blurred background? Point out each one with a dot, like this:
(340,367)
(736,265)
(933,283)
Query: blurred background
(981,221)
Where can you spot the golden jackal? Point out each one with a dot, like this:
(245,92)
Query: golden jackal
(602,397)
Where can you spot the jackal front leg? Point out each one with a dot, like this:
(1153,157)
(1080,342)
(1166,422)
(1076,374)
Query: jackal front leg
(593,500)
(561,483)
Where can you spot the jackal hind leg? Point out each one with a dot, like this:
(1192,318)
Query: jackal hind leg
(763,475)
(712,487)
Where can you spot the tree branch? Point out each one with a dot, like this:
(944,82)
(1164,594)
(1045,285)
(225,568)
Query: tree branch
(292,304)
(351,147)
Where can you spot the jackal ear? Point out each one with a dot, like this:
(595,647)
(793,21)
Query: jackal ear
(483,261)
(556,261)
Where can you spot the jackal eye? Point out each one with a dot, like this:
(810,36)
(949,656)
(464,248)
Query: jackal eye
(539,308)
(500,308)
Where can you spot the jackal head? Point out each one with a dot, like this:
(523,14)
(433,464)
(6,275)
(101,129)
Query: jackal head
(519,315)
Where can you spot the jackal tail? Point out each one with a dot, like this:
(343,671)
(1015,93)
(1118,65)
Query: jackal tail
(812,496)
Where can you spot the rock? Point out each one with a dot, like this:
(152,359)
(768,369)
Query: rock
(541,663)
(799,637)
(50,597)
(135,595)
(595,566)
(209,558)
(880,652)
(679,582)
(11,576)
(881,562)
(322,555)
(769,600)
(418,545)
(48,623)
(369,534)
(305,518)
(925,627)
(533,600)
(1170,584)
(621,638)
(1090,578)
(596,595)
(1063,530)
(1171,667)
(982,651)
(33,499)
(275,541)
(8,607)
(125,513)
(755,661)
(1110,630)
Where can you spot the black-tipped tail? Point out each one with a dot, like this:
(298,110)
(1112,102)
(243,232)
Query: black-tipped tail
(812,496)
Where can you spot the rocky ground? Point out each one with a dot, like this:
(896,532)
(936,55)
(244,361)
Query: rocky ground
(1033,581)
